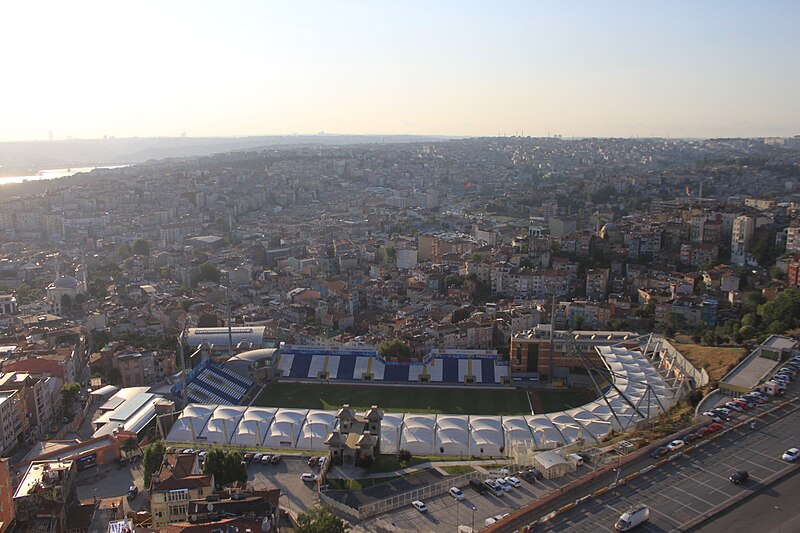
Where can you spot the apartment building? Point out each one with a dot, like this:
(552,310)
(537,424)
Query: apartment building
(11,420)
(178,482)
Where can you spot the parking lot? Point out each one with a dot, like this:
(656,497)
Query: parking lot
(445,513)
(300,496)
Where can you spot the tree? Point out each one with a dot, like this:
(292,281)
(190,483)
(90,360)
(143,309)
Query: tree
(141,247)
(80,299)
(404,456)
(69,394)
(208,272)
(66,302)
(225,467)
(130,445)
(391,255)
(153,457)
(394,348)
(320,519)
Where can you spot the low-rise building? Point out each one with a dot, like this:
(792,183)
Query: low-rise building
(177,482)
(44,494)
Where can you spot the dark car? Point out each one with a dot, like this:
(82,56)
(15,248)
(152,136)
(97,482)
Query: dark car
(739,477)
(659,452)
(478,486)
(536,473)
(276,459)
(691,437)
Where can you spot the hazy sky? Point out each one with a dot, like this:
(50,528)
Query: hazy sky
(695,68)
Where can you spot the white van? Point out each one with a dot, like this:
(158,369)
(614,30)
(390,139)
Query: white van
(575,457)
(632,518)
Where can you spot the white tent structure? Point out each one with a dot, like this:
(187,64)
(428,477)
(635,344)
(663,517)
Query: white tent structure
(254,426)
(516,430)
(190,424)
(391,426)
(452,435)
(418,435)
(545,434)
(285,428)
(486,436)
(221,426)
(318,425)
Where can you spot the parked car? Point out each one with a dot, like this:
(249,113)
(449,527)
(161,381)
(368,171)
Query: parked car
(722,410)
(528,476)
(713,428)
(420,506)
(322,461)
(248,457)
(257,458)
(713,416)
(494,487)
(456,493)
(309,476)
(276,459)
(536,473)
(735,406)
(133,491)
(739,477)
(677,444)
(505,485)
(202,455)
(659,452)
(513,481)
(691,437)
(791,454)
(266,459)
(479,486)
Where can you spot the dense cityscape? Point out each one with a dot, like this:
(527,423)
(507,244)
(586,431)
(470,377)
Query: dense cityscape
(186,342)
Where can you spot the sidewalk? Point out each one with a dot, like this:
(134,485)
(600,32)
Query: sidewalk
(353,473)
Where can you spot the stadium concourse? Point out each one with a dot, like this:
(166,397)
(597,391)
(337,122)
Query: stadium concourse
(642,384)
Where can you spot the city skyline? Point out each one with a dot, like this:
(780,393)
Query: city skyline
(461,69)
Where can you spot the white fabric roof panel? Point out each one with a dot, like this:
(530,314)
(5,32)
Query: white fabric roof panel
(318,425)
(545,434)
(516,429)
(254,426)
(191,423)
(486,436)
(285,428)
(418,434)
(452,435)
(221,426)
(390,432)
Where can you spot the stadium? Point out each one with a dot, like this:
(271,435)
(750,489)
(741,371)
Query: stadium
(448,403)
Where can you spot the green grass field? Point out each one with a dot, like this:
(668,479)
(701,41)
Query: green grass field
(396,398)
(552,400)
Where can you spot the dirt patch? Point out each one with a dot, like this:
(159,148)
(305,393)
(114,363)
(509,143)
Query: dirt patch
(715,359)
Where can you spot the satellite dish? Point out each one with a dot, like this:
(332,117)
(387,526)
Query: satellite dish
(210,507)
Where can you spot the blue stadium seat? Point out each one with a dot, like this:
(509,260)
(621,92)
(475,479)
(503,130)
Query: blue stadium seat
(347,365)
(450,370)
(395,373)
(300,366)
(487,370)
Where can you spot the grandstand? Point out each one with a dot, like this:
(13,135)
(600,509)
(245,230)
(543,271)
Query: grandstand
(350,364)
(643,382)
(212,383)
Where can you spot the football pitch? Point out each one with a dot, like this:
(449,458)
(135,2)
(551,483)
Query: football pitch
(397,398)
(400,399)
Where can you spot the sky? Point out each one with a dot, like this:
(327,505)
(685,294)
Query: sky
(235,68)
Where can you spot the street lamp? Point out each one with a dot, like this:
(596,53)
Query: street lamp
(780,524)
(473,518)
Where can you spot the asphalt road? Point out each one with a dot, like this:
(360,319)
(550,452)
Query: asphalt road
(696,484)
(773,510)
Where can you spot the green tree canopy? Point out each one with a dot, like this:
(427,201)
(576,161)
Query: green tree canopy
(66,302)
(69,395)
(208,272)
(153,457)
(320,519)
(394,348)
(225,467)
(141,247)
